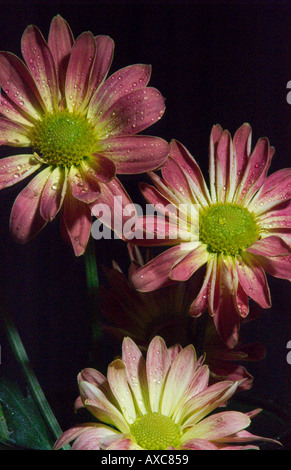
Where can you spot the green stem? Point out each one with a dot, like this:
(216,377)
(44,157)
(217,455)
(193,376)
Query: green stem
(35,388)
(93,293)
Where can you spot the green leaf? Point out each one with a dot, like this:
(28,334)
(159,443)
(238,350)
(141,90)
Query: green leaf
(21,423)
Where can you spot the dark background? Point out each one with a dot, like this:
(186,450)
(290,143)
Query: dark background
(225,62)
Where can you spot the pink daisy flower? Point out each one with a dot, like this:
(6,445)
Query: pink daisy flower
(136,408)
(80,126)
(244,227)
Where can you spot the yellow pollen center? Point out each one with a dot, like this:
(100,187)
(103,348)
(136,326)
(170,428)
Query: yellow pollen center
(63,139)
(155,431)
(227,228)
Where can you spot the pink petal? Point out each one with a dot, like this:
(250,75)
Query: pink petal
(177,180)
(18,85)
(119,84)
(90,439)
(275,190)
(161,203)
(253,280)
(40,62)
(124,443)
(185,268)
(60,41)
(224,168)
(16,168)
(227,321)
(215,135)
(277,217)
(199,304)
(112,207)
(78,72)
(71,434)
(84,186)
(279,266)
(132,113)
(269,246)
(77,220)
(53,193)
(152,230)
(220,425)
(117,379)
(198,444)
(242,149)
(100,167)
(136,154)
(157,366)
(25,219)
(9,110)
(13,134)
(102,63)
(155,274)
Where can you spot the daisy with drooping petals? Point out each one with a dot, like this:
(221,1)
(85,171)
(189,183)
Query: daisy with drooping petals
(136,408)
(244,227)
(81,128)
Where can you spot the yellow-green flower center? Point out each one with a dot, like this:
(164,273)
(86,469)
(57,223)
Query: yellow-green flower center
(155,431)
(63,138)
(227,228)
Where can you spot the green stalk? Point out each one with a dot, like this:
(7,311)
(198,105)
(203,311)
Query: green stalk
(35,388)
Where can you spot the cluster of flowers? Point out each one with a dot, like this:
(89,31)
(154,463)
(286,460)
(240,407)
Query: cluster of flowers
(82,128)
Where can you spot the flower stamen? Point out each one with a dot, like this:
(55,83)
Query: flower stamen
(155,431)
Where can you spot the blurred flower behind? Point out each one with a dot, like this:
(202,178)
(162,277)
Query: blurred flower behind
(79,125)
(244,227)
(136,408)
(165,312)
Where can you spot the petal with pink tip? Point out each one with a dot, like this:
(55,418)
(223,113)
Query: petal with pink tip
(77,220)
(136,373)
(256,170)
(124,443)
(136,154)
(60,41)
(225,168)
(181,155)
(185,268)
(242,149)
(277,217)
(157,365)
(179,379)
(152,230)
(269,246)
(117,85)
(19,86)
(9,110)
(16,168)
(102,63)
(90,439)
(72,433)
(100,167)
(25,219)
(175,177)
(219,425)
(199,304)
(277,266)
(13,134)
(132,113)
(161,203)
(155,274)
(83,185)
(78,72)
(215,135)
(40,62)
(274,191)
(253,279)
(198,444)
(53,193)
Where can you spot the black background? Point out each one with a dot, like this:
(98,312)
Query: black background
(225,62)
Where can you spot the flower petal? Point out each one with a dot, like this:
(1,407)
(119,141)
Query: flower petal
(78,72)
(90,439)
(136,154)
(117,379)
(157,364)
(13,134)
(18,85)
(215,135)
(102,63)
(25,219)
(242,141)
(269,246)
(40,62)
(9,110)
(53,193)
(100,167)
(184,269)
(275,190)
(117,85)
(136,373)
(60,41)
(16,168)
(72,433)
(77,221)
(219,425)
(132,113)
(253,279)
(278,266)
(83,185)
(198,444)
(155,274)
